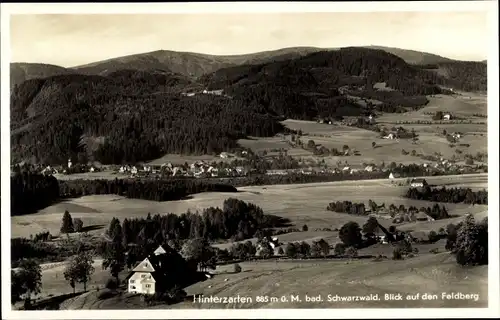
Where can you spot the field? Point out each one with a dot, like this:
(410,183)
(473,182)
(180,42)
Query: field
(301,203)
(426,273)
(305,204)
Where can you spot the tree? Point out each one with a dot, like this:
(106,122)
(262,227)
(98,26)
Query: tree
(266,250)
(237,268)
(374,144)
(351,252)
(199,252)
(28,280)
(114,231)
(114,259)
(311,144)
(67,223)
(304,249)
(305,227)
(281,251)
(350,234)
(472,242)
(79,270)
(78,224)
(16,287)
(291,250)
(370,227)
(320,247)
(438,115)
(339,249)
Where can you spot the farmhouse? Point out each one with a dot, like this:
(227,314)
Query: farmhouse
(447,116)
(418,183)
(157,272)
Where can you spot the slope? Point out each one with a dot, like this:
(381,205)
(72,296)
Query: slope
(187,63)
(125,117)
(20,72)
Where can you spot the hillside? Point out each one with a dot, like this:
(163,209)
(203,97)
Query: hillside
(412,56)
(194,65)
(130,115)
(125,116)
(463,75)
(20,72)
(187,63)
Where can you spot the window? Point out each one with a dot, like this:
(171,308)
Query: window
(148,286)
(132,287)
(146,265)
(132,281)
(143,275)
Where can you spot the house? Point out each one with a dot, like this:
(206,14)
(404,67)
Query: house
(369,168)
(69,163)
(157,272)
(391,176)
(447,116)
(133,170)
(390,136)
(418,183)
(224,155)
(353,171)
(91,169)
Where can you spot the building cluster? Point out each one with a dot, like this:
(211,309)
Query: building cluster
(197,169)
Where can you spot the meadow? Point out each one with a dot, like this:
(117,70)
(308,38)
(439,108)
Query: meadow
(422,274)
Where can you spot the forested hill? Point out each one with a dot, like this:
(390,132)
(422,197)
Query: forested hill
(20,72)
(130,115)
(125,117)
(463,75)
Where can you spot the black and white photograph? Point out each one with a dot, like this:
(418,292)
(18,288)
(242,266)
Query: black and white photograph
(282,159)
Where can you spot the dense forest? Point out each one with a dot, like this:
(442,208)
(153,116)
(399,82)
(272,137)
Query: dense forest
(43,190)
(463,75)
(131,115)
(453,195)
(126,117)
(155,190)
(30,192)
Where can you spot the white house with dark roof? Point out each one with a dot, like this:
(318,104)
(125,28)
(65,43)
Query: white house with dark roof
(143,281)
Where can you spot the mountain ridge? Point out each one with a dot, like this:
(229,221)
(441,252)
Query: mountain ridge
(194,65)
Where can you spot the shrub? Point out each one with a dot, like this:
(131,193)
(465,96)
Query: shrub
(351,252)
(237,268)
(433,236)
(78,224)
(339,249)
(434,250)
(281,251)
(397,254)
(305,227)
(105,294)
(111,284)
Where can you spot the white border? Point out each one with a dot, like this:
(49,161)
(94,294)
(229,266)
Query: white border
(256,7)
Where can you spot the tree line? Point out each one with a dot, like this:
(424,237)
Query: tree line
(453,195)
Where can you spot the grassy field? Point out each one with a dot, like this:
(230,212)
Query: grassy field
(422,274)
(301,203)
(459,106)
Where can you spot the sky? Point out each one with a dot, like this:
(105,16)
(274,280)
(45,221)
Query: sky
(76,39)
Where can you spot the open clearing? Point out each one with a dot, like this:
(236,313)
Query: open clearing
(301,203)
(429,273)
(457,105)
